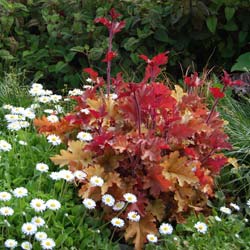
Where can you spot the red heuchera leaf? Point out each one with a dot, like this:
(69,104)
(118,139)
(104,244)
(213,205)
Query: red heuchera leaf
(193,80)
(216,162)
(228,81)
(109,56)
(216,92)
(156,182)
(114,15)
(191,153)
(104,21)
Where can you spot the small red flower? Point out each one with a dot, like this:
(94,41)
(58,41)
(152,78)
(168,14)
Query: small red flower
(109,56)
(216,92)
(226,79)
(193,80)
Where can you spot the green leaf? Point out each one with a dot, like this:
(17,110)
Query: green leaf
(5,54)
(60,240)
(229,13)
(242,63)
(212,23)
(96,53)
(131,44)
(79,49)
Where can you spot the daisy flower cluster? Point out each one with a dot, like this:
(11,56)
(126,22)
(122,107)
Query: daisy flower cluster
(29,228)
(18,117)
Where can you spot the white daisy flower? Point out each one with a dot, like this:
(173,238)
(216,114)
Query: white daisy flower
(23,143)
(48,92)
(152,238)
(54,139)
(40,236)
(108,200)
(217,218)
(225,210)
(80,175)
(84,136)
(245,219)
(5,146)
(17,110)
(29,228)
(20,192)
(248,202)
(55,176)
(7,106)
(29,113)
(53,204)
(52,118)
(201,227)
(44,99)
(134,216)
(117,222)
(96,181)
(38,221)
(166,228)
(49,111)
(6,211)
(66,175)
(89,203)
(85,111)
(59,109)
(37,92)
(38,205)
(235,206)
(5,196)
(36,86)
(11,118)
(48,243)
(75,92)
(42,167)
(89,80)
(26,245)
(119,206)
(24,124)
(14,126)
(130,198)
(34,106)
(55,98)
(10,243)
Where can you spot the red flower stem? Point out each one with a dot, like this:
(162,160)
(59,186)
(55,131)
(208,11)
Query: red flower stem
(138,113)
(215,104)
(109,61)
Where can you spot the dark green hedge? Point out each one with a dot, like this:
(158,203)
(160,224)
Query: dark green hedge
(54,39)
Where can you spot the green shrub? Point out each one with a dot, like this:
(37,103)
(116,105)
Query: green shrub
(54,40)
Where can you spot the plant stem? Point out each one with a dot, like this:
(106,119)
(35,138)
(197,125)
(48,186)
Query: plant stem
(214,105)
(109,61)
(138,113)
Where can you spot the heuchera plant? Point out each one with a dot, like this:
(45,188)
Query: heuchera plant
(164,146)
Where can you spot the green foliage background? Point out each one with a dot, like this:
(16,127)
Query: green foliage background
(54,39)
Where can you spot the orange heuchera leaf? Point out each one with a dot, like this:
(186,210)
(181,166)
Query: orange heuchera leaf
(156,181)
(74,153)
(157,208)
(175,168)
(111,179)
(139,230)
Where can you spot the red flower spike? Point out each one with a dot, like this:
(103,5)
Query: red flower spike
(193,81)
(216,92)
(114,15)
(93,74)
(109,56)
(118,26)
(104,21)
(228,81)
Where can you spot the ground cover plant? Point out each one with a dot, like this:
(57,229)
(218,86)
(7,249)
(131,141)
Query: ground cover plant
(149,154)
